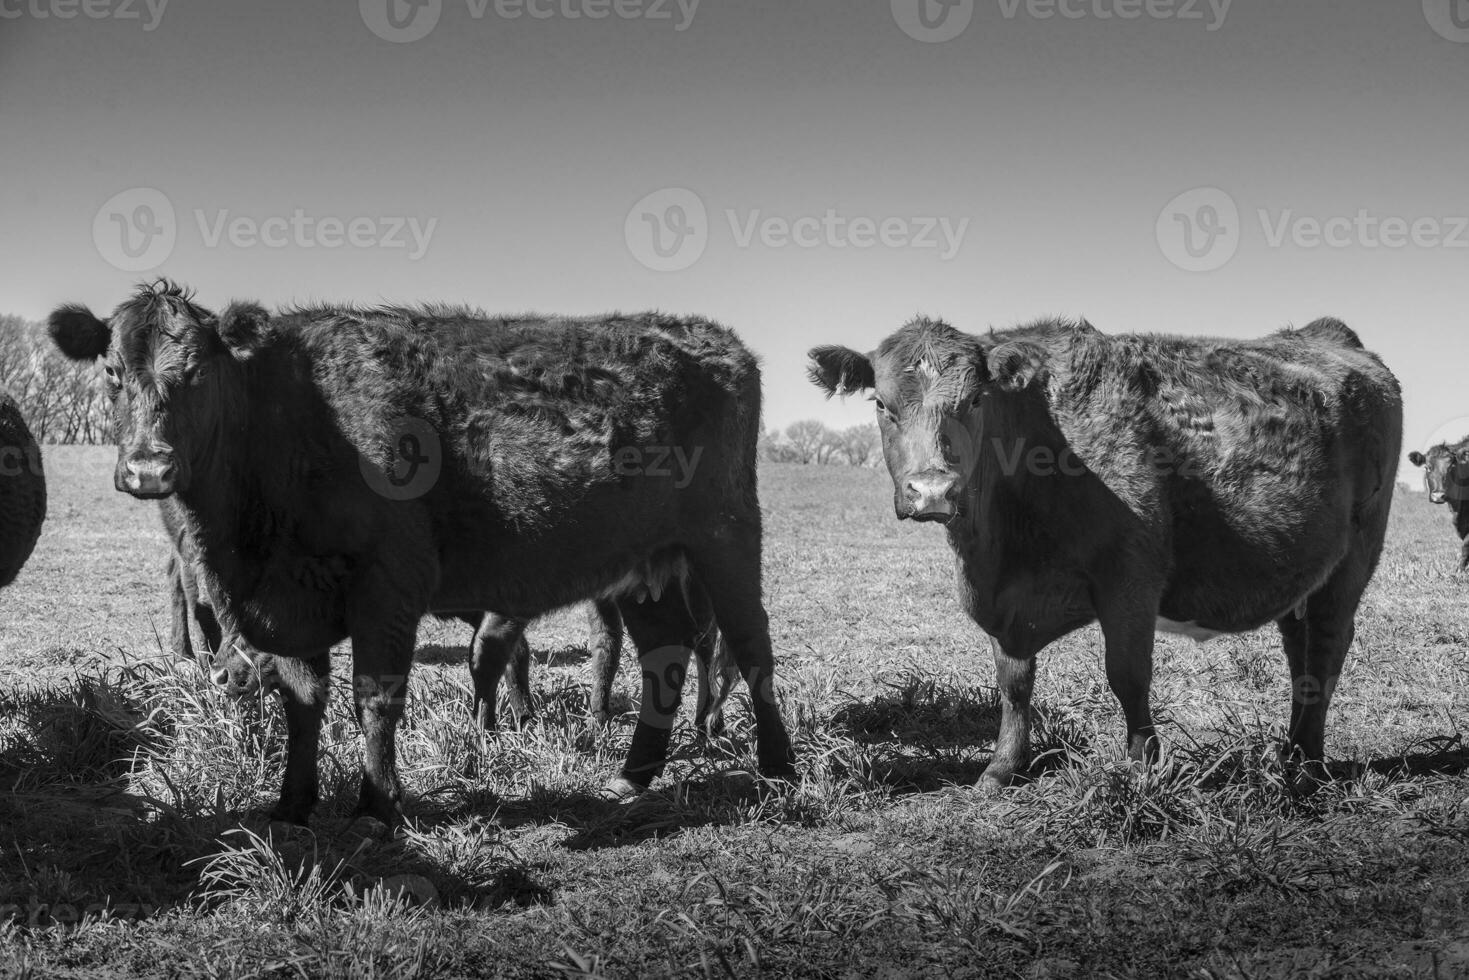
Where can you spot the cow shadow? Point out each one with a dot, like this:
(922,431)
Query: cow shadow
(86,826)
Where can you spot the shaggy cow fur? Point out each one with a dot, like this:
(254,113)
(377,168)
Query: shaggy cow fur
(1446,475)
(22,491)
(1142,482)
(284,439)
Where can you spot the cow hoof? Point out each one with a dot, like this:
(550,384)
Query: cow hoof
(990,786)
(620,790)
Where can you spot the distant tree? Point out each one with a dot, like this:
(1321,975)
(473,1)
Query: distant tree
(861,444)
(773,448)
(811,442)
(61,401)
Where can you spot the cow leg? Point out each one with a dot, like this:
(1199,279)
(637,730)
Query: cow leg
(728,567)
(1293,635)
(663,632)
(179,640)
(209,626)
(383,622)
(1129,641)
(302,684)
(1015,678)
(709,713)
(604,624)
(1464,556)
(1330,629)
(498,649)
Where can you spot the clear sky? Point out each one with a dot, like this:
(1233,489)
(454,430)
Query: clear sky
(508,162)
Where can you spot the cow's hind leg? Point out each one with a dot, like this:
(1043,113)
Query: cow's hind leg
(709,708)
(1129,634)
(302,684)
(728,566)
(1330,627)
(383,622)
(1015,677)
(664,634)
(499,648)
(604,625)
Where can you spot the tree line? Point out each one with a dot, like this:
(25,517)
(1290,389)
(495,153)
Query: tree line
(61,400)
(812,443)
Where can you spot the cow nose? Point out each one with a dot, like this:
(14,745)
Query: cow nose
(149,477)
(1437,497)
(932,496)
(220,678)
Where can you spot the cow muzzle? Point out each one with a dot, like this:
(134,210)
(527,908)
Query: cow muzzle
(930,496)
(1437,497)
(147,477)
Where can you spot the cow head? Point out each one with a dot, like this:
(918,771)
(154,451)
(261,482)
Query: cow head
(1445,472)
(172,375)
(928,382)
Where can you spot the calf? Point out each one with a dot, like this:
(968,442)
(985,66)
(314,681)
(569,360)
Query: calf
(1446,475)
(1142,482)
(345,471)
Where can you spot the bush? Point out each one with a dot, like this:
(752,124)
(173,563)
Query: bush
(60,400)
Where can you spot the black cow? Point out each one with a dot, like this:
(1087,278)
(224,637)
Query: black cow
(1446,475)
(186,603)
(345,471)
(22,491)
(1143,482)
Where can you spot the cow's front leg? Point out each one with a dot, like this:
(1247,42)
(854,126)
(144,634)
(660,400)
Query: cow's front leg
(1015,678)
(664,636)
(499,649)
(1464,556)
(1129,639)
(302,684)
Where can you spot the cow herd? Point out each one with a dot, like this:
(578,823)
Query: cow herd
(328,473)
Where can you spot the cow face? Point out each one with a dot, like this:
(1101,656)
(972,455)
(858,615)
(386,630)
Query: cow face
(1445,472)
(927,383)
(168,364)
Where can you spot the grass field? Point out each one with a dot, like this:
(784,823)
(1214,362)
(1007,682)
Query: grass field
(131,845)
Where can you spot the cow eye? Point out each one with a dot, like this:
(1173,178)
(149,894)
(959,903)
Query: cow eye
(882,409)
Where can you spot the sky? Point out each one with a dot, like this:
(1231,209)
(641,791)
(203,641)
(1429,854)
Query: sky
(808,173)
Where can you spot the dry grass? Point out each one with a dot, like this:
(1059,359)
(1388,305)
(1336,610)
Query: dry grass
(130,843)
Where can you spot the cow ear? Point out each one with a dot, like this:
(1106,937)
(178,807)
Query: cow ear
(1017,365)
(840,370)
(241,327)
(1417,458)
(77,333)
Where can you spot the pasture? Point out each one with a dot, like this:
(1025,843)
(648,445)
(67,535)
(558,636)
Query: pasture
(131,842)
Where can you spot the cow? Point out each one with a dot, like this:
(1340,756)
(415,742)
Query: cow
(346,470)
(1446,475)
(186,603)
(22,491)
(1143,482)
